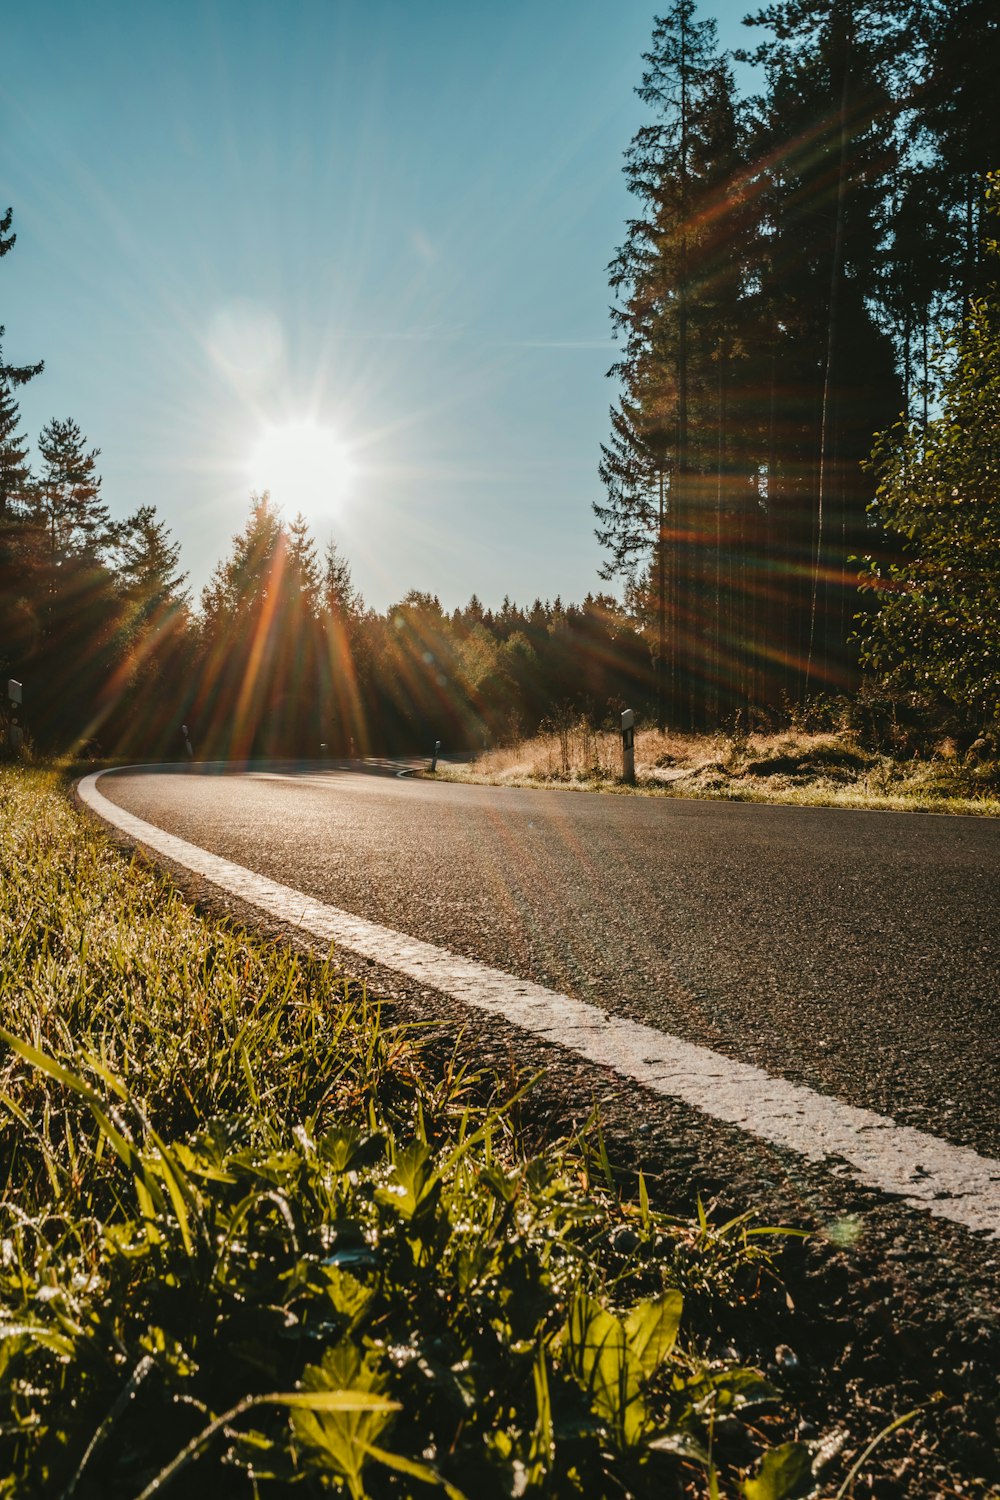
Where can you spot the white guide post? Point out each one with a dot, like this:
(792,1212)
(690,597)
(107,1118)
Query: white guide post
(15,734)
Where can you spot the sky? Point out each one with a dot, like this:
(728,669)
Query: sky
(353,251)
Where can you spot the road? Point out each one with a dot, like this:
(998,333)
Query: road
(855,953)
(679,962)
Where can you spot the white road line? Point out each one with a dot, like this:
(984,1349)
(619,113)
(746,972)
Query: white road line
(950,1182)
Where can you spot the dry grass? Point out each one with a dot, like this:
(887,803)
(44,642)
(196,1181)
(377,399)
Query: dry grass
(807,769)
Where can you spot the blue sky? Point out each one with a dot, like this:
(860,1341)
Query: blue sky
(387,218)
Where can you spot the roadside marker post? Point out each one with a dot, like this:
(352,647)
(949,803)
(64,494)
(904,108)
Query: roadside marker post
(15,734)
(628,746)
(434,757)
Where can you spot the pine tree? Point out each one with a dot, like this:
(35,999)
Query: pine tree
(240,583)
(827,133)
(18,553)
(14,472)
(959,107)
(66,497)
(678,278)
(147,564)
(303,565)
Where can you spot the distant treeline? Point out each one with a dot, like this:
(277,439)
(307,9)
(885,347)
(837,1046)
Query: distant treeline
(283,658)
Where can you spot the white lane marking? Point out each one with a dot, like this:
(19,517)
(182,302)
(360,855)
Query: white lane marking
(950,1182)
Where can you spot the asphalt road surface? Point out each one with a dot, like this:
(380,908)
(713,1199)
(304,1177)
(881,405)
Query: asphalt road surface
(857,953)
(849,961)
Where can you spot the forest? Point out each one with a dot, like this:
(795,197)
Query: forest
(800,481)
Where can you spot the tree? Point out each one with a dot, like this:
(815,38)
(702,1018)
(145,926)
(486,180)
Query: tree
(240,624)
(935,629)
(826,130)
(304,574)
(677,274)
(147,563)
(13,451)
(66,496)
(15,471)
(19,621)
(958,106)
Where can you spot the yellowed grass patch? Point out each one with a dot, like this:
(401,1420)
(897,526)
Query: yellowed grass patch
(805,769)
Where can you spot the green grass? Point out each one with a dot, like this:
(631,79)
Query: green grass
(254,1236)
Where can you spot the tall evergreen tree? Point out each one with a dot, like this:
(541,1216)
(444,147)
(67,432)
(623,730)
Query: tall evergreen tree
(674,278)
(148,562)
(826,135)
(67,495)
(959,108)
(13,450)
(18,607)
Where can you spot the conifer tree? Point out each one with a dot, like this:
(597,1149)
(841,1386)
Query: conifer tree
(959,107)
(147,563)
(14,470)
(826,131)
(673,276)
(67,496)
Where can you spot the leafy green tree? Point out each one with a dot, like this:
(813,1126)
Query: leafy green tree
(304,573)
(935,627)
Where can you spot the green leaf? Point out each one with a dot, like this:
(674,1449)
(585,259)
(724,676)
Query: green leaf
(651,1328)
(416,1471)
(349,1296)
(346,1149)
(600,1358)
(735,1389)
(56,1343)
(339,1412)
(49,1066)
(542,1442)
(683,1444)
(336,1401)
(785,1474)
(643,1201)
(415,1184)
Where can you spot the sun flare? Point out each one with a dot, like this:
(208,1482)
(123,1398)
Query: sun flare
(303,464)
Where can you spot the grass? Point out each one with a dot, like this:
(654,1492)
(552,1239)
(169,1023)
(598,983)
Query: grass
(254,1236)
(797,767)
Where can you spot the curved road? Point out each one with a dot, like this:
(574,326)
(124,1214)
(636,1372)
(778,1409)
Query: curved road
(856,953)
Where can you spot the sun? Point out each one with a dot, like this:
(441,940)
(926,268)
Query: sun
(304,465)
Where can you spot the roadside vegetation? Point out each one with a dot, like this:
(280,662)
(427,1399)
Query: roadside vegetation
(806,767)
(255,1234)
